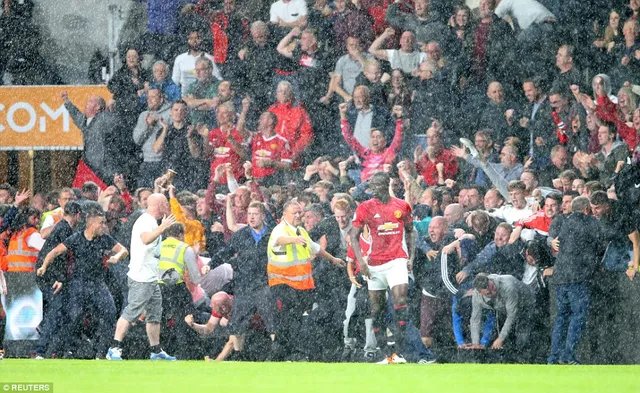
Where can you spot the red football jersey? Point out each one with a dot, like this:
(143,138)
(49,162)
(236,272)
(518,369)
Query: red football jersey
(386,224)
(223,153)
(275,148)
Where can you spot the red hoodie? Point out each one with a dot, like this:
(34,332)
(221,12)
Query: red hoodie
(295,126)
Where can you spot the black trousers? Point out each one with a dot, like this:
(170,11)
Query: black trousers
(178,337)
(246,304)
(289,321)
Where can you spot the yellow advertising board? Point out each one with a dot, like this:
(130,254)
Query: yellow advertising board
(34,117)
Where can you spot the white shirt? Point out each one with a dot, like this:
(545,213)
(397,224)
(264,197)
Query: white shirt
(510,214)
(35,241)
(526,12)
(143,265)
(362,128)
(289,12)
(407,62)
(184,70)
(49,222)
(279,232)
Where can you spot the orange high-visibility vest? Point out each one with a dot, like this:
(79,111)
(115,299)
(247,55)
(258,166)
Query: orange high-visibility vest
(3,256)
(292,266)
(21,257)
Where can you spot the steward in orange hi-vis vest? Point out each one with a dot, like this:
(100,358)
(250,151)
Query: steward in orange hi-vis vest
(21,257)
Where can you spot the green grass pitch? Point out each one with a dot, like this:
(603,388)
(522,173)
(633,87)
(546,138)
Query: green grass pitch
(233,377)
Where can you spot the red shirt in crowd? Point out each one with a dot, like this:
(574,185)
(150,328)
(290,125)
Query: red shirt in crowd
(275,148)
(223,152)
(294,125)
(427,168)
(386,224)
(608,111)
(372,162)
(538,221)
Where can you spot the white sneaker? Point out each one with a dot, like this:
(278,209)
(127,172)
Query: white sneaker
(114,354)
(398,359)
(38,357)
(386,360)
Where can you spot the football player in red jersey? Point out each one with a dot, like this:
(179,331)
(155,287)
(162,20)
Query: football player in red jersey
(390,259)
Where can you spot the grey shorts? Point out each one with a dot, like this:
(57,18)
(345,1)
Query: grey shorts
(143,296)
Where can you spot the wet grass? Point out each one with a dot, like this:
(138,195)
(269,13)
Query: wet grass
(231,377)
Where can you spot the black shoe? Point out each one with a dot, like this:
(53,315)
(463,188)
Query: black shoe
(347,354)
(370,357)
(276,351)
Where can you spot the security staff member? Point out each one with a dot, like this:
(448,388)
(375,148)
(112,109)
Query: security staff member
(289,276)
(22,253)
(176,260)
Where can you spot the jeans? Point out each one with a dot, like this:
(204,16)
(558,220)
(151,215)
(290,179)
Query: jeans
(572,301)
(52,320)
(95,298)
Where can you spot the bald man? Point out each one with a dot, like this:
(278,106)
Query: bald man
(144,291)
(453,213)
(433,308)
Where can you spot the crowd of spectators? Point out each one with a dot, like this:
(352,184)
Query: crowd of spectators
(511,129)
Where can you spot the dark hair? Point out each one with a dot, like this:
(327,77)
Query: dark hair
(90,187)
(481,281)
(53,196)
(568,174)
(610,125)
(140,191)
(9,188)
(481,190)
(538,82)
(180,101)
(599,198)
(22,218)
(307,198)
(540,252)
(72,208)
(556,196)
(436,194)
(594,186)
(557,91)
(532,173)
(571,193)
(92,209)
(176,230)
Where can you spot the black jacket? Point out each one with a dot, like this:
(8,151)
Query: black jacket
(248,259)
(580,249)
(57,270)
(499,43)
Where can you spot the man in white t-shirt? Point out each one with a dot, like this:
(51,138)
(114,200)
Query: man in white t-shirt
(288,13)
(184,67)
(406,58)
(519,207)
(144,291)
